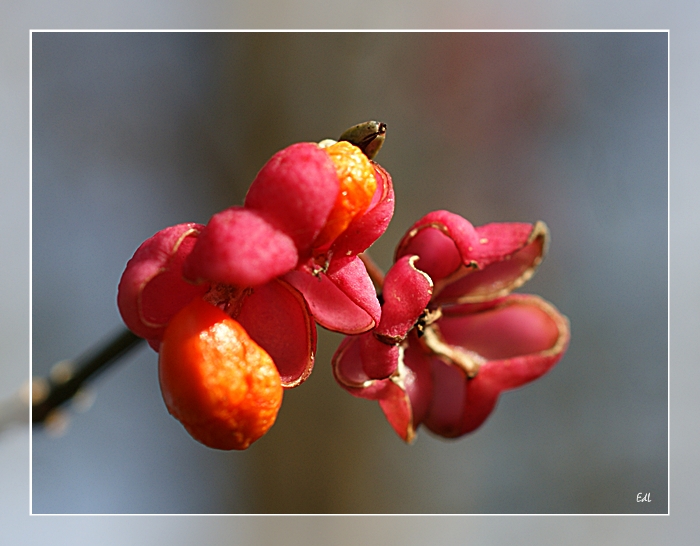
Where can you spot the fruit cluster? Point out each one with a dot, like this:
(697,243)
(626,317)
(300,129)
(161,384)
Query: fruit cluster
(232,306)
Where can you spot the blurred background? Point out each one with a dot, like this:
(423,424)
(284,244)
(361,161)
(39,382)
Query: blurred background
(133,132)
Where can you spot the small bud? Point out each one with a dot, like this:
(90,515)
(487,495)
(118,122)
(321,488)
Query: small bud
(61,372)
(368,137)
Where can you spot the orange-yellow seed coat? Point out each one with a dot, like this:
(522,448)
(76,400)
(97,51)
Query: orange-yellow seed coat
(221,385)
(357,187)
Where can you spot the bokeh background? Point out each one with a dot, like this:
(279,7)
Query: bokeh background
(133,132)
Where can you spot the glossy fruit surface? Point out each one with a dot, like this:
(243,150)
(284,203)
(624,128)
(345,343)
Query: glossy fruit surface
(222,386)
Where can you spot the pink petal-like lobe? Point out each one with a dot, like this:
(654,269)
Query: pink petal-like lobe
(443,240)
(151,290)
(295,191)
(418,384)
(343,299)
(519,325)
(379,359)
(522,338)
(507,255)
(446,409)
(406,293)
(347,363)
(240,248)
(470,264)
(404,397)
(368,227)
(276,317)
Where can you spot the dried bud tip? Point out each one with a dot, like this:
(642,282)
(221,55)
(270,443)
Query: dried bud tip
(368,137)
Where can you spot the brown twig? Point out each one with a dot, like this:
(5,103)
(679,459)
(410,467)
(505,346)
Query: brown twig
(63,388)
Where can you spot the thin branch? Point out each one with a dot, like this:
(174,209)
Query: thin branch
(62,389)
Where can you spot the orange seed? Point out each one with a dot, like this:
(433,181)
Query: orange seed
(221,385)
(357,187)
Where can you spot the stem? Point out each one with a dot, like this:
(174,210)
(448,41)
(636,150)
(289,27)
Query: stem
(86,366)
(374,271)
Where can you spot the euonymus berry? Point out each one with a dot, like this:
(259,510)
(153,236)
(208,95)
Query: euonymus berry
(221,385)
